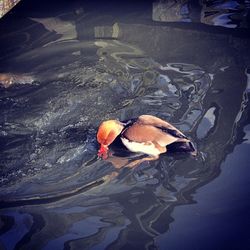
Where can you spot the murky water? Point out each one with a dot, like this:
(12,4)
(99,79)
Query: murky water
(74,66)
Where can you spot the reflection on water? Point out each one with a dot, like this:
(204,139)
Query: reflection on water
(229,14)
(55,193)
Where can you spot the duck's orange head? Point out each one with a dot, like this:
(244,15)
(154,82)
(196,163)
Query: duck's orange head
(106,134)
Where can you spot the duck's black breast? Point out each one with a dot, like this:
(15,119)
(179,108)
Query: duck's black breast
(119,149)
(117,145)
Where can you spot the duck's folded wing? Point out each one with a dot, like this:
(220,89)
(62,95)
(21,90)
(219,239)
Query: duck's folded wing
(143,133)
(161,124)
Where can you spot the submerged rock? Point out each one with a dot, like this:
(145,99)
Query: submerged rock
(6,6)
(170,11)
(8,79)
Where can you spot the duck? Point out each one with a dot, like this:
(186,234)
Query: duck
(146,134)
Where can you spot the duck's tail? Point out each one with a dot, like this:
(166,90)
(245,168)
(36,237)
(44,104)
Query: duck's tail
(182,147)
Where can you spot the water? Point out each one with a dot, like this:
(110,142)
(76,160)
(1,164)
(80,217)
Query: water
(74,65)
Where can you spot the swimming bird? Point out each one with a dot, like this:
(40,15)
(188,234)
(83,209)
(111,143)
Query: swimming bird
(146,134)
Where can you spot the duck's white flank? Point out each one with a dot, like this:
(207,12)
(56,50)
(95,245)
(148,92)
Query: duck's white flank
(147,148)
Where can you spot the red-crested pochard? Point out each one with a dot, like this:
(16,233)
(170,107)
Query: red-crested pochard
(146,134)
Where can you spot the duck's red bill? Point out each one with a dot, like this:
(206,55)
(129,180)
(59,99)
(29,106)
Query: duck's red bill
(103,152)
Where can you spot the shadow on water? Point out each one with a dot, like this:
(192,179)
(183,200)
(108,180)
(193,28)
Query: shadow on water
(86,66)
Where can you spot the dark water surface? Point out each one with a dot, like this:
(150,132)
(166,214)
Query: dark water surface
(76,64)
